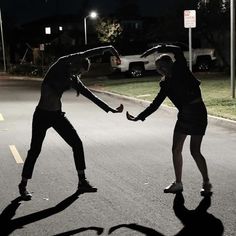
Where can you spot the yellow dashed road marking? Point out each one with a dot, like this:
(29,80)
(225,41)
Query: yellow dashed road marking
(1,117)
(16,154)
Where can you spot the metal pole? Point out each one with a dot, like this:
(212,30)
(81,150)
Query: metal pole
(23,59)
(85,31)
(190,48)
(232,47)
(3,47)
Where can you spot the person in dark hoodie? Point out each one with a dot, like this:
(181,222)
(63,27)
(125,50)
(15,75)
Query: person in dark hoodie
(64,74)
(182,88)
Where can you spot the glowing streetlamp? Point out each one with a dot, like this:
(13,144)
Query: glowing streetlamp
(92,15)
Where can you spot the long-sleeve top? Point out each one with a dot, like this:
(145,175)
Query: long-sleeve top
(181,88)
(58,79)
(50,99)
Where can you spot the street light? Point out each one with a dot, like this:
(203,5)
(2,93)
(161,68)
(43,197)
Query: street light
(3,47)
(92,15)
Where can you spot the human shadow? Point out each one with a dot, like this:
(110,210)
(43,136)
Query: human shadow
(198,221)
(142,229)
(80,230)
(9,224)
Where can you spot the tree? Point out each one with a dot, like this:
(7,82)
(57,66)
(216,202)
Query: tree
(109,30)
(213,25)
(219,5)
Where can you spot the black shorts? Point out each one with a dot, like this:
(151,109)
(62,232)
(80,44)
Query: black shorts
(192,119)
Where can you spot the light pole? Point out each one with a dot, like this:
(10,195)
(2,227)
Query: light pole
(232,46)
(3,47)
(92,15)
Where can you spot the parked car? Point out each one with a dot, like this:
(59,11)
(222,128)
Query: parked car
(135,66)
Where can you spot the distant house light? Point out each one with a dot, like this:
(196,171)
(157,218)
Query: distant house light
(60,28)
(47,30)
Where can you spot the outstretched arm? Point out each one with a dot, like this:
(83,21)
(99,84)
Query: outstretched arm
(165,48)
(150,51)
(80,88)
(99,51)
(90,53)
(150,109)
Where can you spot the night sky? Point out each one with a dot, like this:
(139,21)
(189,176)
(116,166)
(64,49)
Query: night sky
(22,11)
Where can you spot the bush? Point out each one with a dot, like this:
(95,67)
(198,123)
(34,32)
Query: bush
(27,69)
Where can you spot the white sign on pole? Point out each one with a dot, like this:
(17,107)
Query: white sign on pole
(190,22)
(189,19)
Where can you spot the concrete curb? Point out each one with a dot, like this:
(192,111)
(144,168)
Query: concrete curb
(20,78)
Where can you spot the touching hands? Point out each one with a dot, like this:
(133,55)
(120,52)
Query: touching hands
(128,116)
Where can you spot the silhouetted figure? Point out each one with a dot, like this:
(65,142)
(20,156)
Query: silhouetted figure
(197,222)
(182,88)
(61,76)
(139,228)
(98,230)
(8,225)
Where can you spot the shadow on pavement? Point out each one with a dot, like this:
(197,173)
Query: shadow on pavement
(9,224)
(142,229)
(199,221)
(80,230)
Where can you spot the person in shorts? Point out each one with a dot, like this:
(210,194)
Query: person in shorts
(182,88)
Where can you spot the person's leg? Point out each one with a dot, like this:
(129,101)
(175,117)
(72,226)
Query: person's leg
(39,129)
(195,148)
(65,129)
(177,147)
(69,134)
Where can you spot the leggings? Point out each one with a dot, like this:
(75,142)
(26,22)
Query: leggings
(42,121)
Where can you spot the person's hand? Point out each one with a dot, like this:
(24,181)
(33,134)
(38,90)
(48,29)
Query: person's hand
(130,117)
(162,48)
(151,51)
(119,109)
(169,48)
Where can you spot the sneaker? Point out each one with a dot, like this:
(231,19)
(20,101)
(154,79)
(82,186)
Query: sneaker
(85,186)
(206,189)
(174,188)
(25,195)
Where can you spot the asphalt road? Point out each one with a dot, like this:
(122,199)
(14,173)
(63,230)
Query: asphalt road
(130,164)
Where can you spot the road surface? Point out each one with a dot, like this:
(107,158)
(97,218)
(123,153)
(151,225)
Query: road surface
(129,162)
